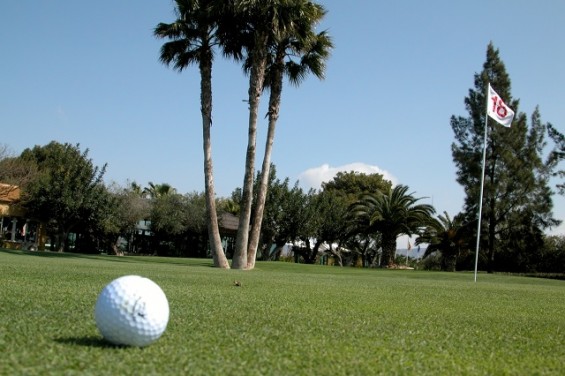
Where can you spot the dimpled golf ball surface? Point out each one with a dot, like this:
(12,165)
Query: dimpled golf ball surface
(132,311)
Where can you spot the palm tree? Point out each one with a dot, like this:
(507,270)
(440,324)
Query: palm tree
(193,37)
(261,17)
(312,50)
(393,214)
(264,20)
(136,189)
(448,236)
(228,205)
(158,190)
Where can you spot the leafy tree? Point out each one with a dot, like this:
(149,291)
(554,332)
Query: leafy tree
(391,215)
(68,190)
(516,191)
(168,214)
(193,36)
(317,222)
(288,216)
(179,224)
(330,225)
(552,257)
(294,53)
(196,213)
(14,172)
(354,184)
(228,205)
(127,207)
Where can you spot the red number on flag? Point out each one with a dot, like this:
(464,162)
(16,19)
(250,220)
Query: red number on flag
(498,107)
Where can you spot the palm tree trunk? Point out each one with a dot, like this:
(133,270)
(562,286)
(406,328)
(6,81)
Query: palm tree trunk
(217,250)
(389,251)
(256,79)
(274,106)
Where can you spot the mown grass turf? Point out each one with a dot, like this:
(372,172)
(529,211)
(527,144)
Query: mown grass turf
(286,319)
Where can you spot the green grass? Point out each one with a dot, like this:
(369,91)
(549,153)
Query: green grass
(286,319)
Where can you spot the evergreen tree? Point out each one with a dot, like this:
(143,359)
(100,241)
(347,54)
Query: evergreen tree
(517,198)
(557,155)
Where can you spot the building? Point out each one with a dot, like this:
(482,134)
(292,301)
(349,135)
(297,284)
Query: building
(10,214)
(16,231)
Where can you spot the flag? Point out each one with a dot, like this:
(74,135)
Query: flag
(497,109)
(409,245)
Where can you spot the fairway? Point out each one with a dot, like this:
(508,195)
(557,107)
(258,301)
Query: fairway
(283,319)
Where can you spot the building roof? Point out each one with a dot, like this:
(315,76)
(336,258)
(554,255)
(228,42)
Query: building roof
(9,199)
(228,222)
(9,193)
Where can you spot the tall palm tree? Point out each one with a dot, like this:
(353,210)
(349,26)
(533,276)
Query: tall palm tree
(264,20)
(312,50)
(261,19)
(193,37)
(448,236)
(393,214)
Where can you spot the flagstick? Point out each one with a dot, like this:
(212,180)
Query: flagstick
(481,196)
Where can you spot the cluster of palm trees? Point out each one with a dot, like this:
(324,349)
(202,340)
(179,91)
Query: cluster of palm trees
(153,190)
(271,38)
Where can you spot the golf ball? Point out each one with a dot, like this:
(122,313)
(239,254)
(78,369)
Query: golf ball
(132,311)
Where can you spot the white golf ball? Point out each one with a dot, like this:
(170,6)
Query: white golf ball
(132,311)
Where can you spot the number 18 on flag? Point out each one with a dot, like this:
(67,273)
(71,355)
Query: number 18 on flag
(497,109)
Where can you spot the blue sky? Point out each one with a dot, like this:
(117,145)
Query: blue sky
(89,74)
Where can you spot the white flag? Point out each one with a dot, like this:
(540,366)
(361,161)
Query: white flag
(497,109)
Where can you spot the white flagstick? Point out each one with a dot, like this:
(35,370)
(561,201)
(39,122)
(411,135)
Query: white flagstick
(481,195)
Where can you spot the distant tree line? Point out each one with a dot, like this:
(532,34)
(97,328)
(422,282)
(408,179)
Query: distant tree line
(344,220)
(355,219)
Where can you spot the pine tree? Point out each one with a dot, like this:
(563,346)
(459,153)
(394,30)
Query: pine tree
(516,196)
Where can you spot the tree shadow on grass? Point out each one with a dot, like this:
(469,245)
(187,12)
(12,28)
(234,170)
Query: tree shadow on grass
(87,341)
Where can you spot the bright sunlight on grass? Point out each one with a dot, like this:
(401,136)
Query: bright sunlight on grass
(284,319)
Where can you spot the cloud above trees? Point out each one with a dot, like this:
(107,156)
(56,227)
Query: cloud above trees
(314,177)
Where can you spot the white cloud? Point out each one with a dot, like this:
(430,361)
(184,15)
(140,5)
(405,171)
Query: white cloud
(314,177)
